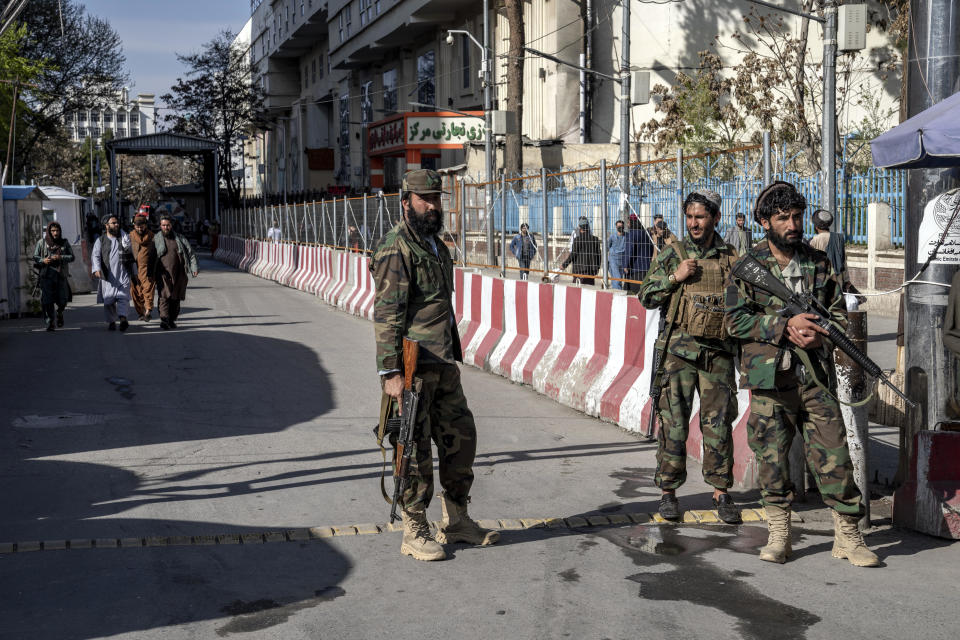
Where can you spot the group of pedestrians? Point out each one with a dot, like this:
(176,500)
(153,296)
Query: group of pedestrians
(138,267)
(786,362)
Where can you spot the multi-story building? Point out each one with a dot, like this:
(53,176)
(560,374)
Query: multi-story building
(360,90)
(125,117)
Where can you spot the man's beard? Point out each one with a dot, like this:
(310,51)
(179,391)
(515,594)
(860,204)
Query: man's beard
(168,234)
(114,232)
(427,223)
(704,240)
(783,243)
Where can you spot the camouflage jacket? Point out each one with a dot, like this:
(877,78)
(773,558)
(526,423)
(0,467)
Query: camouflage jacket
(414,291)
(754,317)
(657,292)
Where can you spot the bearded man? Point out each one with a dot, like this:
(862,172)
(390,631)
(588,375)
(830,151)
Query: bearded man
(413,274)
(787,363)
(111,261)
(174,258)
(686,282)
(145,255)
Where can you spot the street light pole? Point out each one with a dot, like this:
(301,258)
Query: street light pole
(487,121)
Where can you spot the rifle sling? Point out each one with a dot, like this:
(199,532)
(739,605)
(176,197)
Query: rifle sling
(808,365)
(387,409)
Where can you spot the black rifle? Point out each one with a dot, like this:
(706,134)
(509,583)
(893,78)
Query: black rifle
(659,364)
(753,272)
(407,423)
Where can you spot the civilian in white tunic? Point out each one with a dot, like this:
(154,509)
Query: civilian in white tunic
(110,257)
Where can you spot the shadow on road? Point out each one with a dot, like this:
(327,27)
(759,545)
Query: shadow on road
(87,390)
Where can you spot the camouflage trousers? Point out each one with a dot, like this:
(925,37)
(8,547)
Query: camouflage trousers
(443,418)
(775,416)
(712,375)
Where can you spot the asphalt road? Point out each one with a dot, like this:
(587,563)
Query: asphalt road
(221,480)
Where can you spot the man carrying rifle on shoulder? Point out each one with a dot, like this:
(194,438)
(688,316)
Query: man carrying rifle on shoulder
(413,274)
(787,363)
(686,282)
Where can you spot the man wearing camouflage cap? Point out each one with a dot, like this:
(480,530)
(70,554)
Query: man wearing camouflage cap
(686,282)
(413,274)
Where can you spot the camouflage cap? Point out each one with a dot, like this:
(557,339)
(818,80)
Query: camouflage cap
(422,182)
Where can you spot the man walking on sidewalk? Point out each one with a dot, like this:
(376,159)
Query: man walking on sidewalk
(145,255)
(413,273)
(174,258)
(112,261)
(686,282)
(787,363)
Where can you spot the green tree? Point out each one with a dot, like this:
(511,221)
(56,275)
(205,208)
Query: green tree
(216,100)
(83,68)
(18,73)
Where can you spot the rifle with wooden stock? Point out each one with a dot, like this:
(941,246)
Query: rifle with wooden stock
(405,424)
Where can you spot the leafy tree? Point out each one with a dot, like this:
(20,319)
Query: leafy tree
(697,110)
(84,68)
(145,176)
(217,100)
(18,73)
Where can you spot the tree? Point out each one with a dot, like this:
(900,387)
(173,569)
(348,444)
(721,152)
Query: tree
(83,68)
(513,147)
(145,176)
(18,72)
(775,85)
(698,111)
(217,100)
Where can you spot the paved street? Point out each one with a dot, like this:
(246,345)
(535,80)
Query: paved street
(161,451)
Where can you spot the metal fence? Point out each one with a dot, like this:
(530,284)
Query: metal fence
(483,221)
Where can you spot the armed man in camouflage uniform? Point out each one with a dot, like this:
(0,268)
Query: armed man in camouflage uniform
(413,274)
(686,283)
(787,363)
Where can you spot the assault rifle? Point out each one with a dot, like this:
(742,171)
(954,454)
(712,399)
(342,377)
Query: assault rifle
(753,272)
(406,424)
(659,361)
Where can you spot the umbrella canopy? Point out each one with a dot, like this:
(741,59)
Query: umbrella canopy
(927,140)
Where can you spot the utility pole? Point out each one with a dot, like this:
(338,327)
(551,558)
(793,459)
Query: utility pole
(488,133)
(828,130)
(625,100)
(933,59)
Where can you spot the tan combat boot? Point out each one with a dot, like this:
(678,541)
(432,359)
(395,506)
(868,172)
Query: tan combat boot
(459,527)
(848,542)
(778,547)
(417,541)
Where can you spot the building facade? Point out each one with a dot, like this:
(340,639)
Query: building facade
(358,91)
(125,117)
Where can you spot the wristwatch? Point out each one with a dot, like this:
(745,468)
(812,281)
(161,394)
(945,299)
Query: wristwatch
(672,278)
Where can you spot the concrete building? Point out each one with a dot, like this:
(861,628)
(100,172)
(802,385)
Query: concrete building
(342,78)
(126,117)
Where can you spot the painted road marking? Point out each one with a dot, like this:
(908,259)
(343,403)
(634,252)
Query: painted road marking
(305,534)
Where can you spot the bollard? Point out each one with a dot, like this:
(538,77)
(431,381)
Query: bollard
(852,388)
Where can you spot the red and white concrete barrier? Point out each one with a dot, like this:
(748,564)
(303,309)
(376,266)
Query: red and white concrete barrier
(288,262)
(340,279)
(929,500)
(324,272)
(360,300)
(305,266)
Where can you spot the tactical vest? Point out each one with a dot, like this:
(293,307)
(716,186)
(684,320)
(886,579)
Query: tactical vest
(701,298)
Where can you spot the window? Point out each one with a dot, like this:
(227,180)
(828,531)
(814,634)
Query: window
(366,11)
(301,8)
(376,6)
(107,117)
(121,117)
(465,59)
(121,132)
(303,77)
(390,90)
(313,71)
(426,83)
(320,66)
(341,26)
(82,132)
